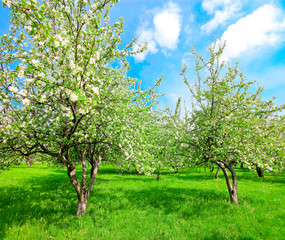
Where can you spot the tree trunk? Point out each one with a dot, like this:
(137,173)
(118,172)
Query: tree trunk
(259,172)
(241,165)
(217,173)
(82,202)
(29,161)
(81,205)
(83,190)
(212,169)
(232,188)
(158,175)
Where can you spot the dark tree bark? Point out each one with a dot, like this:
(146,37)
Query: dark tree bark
(175,168)
(217,173)
(232,187)
(212,169)
(241,165)
(259,171)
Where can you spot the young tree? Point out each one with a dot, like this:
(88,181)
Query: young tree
(69,96)
(228,123)
(274,128)
(174,158)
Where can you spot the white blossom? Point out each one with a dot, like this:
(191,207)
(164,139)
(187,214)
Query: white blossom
(79,69)
(43,98)
(50,78)
(95,90)
(29,80)
(56,43)
(65,42)
(35,62)
(97,55)
(82,111)
(73,97)
(23,93)
(26,102)
(72,64)
(21,73)
(92,60)
(13,89)
(28,28)
(41,75)
(7,2)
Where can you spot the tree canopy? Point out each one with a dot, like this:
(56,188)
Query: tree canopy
(64,87)
(228,122)
(65,93)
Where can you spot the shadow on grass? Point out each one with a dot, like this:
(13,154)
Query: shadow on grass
(272,178)
(194,177)
(184,201)
(52,199)
(218,235)
(42,198)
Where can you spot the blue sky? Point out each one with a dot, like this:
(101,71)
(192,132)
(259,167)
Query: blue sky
(253,29)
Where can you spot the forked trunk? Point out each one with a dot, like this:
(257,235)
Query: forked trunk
(232,188)
(83,190)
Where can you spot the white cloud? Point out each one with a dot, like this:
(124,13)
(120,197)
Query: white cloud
(265,26)
(165,32)
(145,35)
(211,5)
(223,10)
(167,24)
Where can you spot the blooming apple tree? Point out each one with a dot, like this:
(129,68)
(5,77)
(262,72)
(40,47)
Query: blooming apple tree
(228,123)
(165,138)
(65,89)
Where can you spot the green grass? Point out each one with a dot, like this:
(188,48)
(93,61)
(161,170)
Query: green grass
(40,203)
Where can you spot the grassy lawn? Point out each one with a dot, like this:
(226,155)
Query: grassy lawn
(40,203)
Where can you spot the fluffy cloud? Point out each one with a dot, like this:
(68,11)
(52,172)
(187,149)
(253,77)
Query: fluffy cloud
(165,32)
(167,24)
(265,26)
(145,35)
(223,10)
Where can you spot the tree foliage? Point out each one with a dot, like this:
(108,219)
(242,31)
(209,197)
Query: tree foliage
(228,122)
(65,90)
